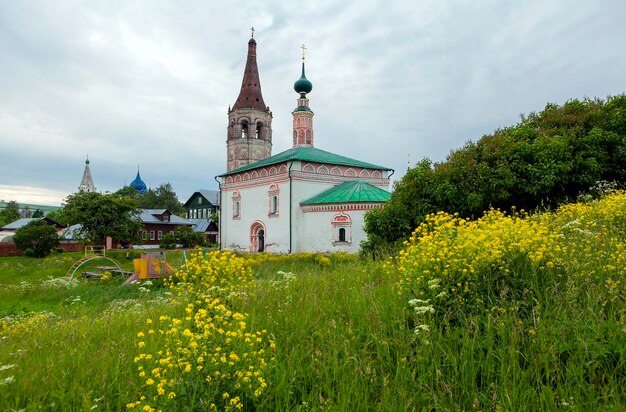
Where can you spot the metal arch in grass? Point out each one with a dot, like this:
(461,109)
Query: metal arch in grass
(79,263)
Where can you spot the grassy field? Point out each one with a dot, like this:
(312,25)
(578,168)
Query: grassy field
(506,313)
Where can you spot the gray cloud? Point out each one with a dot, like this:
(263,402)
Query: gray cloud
(147,83)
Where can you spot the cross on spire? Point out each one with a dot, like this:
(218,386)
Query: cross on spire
(303,47)
(252,29)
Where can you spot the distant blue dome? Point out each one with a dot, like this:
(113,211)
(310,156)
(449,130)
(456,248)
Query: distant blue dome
(138,184)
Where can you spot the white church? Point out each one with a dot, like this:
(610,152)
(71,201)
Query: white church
(303,199)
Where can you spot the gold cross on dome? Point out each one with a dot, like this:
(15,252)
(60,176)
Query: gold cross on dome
(303,47)
(252,29)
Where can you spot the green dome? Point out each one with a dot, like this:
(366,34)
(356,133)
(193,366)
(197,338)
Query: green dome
(303,85)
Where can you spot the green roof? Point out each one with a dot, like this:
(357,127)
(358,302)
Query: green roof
(307,154)
(350,192)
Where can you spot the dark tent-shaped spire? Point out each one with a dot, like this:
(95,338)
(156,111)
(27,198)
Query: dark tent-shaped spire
(250,96)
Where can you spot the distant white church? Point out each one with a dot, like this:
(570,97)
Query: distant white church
(303,199)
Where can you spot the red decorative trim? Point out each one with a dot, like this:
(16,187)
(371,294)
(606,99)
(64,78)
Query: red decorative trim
(339,207)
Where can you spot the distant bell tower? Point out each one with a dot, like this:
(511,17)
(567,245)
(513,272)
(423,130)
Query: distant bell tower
(249,137)
(302,115)
(86,183)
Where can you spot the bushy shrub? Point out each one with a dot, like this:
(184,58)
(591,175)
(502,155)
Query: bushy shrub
(544,161)
(453,269)
(36,238)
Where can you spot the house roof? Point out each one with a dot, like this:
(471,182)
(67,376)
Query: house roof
(7,237)
(19,223)
(350,192)
(26,220)
(212,196)
(202,225)
(150,216)
(71,232)
(308,154)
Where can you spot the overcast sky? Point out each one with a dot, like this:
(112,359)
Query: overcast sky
(149,83)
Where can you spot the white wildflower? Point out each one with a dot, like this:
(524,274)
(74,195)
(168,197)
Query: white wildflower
(420,310)
(7,380)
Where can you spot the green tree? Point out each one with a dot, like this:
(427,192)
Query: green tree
(128,191)
(103,215)
(188,238)
(547,159)
(163,197)
(10,213)
(36,238)
(57,216)
(38,213)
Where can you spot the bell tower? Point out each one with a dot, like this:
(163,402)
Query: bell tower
(302,115)
(249,136)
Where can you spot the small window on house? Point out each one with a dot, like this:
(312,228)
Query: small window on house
(308,137)
(259,127)
(172,232)
(144,235)
(274,204)
(199,200)
(342,234)
(159,234)
(152,235)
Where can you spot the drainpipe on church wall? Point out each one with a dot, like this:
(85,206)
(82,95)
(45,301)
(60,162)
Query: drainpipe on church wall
(219,234)
(290,201)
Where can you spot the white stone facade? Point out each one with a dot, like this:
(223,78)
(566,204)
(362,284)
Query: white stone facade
(269,201)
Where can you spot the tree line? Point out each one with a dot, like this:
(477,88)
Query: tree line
(547,159)
(100,215)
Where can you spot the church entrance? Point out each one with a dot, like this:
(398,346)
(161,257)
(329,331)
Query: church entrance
(257,237)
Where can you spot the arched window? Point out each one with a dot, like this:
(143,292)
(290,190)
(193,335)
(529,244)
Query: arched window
(259,127)
(236,205)
(273,200)
(308,137)
(342,229)
(244,129)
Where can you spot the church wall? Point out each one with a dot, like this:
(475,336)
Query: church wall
(320,235)
(311,231)
(255,207)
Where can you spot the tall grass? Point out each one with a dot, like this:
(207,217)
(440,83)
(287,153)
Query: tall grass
(532,318)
